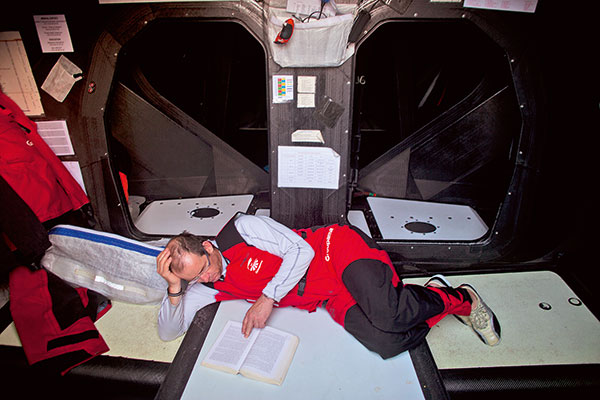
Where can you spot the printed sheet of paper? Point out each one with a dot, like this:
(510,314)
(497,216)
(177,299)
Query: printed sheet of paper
(308,167)
(75,170)
(504,5)
(53,33)
(283,88)
(16,77)
(307,86)
(306,100)
(56,135)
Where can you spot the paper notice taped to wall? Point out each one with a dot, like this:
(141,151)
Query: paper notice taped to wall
(283,88)
(16,77)
(53,33)
(504,5)
(308,167)
(56,135)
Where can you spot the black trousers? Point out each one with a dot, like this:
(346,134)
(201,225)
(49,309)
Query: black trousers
(390,320)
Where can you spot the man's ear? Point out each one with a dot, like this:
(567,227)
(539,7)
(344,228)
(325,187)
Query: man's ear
(208,247)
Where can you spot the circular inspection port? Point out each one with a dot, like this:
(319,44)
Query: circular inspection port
(420,227)
(575,301)
(205,212)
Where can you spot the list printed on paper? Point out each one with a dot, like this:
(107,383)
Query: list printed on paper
(308,167)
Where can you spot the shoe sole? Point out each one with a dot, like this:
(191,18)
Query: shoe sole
(441,279)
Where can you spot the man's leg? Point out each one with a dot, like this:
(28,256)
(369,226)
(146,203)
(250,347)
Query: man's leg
(401,308)
(386,344)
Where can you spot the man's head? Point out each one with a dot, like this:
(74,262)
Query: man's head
(193,258)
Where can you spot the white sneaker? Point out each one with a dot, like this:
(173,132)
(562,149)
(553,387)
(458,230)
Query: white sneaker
(482,320)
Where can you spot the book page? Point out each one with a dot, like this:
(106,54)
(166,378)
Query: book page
(270,356)
(230,349)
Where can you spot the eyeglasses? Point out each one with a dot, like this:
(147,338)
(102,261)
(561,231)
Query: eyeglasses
(202,270)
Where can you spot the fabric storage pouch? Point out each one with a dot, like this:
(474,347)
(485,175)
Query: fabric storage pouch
(316,43)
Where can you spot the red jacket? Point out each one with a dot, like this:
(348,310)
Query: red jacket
(336,246)
(32,169)
(55,321)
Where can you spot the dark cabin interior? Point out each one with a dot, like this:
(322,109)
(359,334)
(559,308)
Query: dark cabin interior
(493,110)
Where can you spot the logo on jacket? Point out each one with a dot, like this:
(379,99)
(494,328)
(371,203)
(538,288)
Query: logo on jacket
(327,243)
(254,265)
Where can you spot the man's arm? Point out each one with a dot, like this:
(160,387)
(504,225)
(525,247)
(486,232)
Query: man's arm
(177,312)
(296,254)
(269,235)
(163,267)
(174,320)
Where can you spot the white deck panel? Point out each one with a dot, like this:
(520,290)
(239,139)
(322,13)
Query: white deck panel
(329,364)
(564,334)
(355,217)
(451,221)
(171,217)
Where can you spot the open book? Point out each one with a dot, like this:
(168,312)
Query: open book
(265,355)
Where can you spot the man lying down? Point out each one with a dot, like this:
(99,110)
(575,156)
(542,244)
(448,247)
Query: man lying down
(336,267)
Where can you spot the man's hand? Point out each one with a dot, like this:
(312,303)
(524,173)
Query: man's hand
(257,315)
(163,262)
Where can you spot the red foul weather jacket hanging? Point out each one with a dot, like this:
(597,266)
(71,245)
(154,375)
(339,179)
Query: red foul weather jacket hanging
(32,169)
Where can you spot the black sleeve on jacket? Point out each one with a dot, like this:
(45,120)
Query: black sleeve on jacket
(22,227)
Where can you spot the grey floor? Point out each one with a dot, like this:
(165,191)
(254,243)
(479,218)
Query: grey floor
(565,333)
